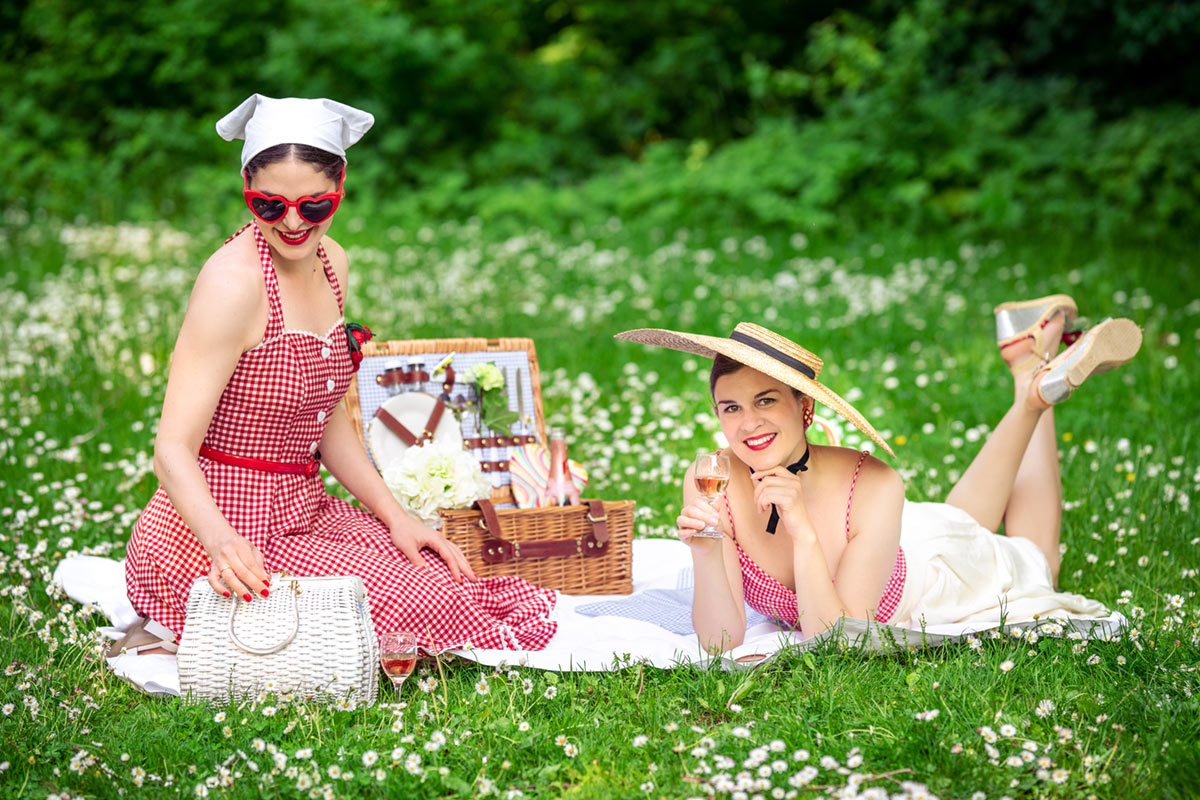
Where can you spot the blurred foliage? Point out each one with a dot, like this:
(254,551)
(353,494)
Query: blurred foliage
(816,116)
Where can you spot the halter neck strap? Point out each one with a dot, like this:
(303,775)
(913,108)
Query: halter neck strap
(275,323)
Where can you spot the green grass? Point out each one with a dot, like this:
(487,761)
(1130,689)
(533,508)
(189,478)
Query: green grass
(88,321)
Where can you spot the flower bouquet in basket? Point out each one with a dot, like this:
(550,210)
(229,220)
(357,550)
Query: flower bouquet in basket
(435,476)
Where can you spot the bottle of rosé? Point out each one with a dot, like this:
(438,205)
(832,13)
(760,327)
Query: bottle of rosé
(560,489)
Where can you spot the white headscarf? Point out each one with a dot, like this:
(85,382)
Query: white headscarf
(267,121)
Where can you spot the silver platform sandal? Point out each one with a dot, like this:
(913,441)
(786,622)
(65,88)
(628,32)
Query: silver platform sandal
(1025,319)
(1101,349)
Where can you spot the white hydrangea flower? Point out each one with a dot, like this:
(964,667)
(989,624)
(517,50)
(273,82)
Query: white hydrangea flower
(435,476)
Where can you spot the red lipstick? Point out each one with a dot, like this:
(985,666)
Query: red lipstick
(761,443)
(294,240)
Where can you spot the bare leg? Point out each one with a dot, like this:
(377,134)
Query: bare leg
(1035,504)
(986,489)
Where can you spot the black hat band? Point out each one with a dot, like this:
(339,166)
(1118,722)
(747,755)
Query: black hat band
(778,355)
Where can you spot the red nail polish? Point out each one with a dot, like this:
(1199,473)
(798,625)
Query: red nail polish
(267,583)
(247,597)
(227,594)
(265,593)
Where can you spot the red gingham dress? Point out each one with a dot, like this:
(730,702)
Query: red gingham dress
(275,408)
(771,598)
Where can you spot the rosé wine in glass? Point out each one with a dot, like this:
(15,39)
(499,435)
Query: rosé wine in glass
(711,472)
(398,655)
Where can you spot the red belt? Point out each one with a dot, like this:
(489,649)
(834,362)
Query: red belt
(311,468)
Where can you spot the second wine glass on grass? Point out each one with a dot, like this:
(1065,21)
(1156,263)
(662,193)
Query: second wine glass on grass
(711,471)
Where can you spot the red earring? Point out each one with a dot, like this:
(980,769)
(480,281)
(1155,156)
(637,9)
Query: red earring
(808,417)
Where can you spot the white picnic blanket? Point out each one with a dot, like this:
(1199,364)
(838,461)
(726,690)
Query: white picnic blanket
(595,632)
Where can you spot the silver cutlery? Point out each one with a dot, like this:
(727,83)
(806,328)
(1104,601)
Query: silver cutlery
(521,416)
(508,381)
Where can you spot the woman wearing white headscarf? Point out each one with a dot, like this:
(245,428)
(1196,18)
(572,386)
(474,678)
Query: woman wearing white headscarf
(262,361)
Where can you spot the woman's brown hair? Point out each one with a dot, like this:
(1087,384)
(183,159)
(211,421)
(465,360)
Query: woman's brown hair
(724,365)
(330,164)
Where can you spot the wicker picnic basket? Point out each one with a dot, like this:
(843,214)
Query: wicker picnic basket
(585,549)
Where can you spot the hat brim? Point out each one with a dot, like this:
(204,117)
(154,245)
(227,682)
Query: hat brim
(710,346)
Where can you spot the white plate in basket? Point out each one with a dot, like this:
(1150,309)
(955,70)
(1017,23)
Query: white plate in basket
(412,410)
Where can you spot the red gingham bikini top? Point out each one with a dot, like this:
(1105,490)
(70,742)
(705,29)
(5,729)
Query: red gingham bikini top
(771,598)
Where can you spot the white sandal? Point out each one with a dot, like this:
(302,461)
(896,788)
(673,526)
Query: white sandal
(146,634)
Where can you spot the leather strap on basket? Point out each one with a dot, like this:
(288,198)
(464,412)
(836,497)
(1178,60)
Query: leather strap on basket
(498,550)
(435,417)
(476,442)
(391,376)
(397,427)
(396,375)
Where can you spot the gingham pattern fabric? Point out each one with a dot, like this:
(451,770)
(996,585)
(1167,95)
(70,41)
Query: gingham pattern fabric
(666,608)
(771,598)
(275,408)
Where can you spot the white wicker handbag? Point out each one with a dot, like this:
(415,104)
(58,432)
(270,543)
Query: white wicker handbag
(312,638)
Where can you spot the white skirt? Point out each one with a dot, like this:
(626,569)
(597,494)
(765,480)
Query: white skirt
(960,572)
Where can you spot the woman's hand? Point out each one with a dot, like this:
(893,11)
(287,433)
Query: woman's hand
(344,456)
(780,488)
(237,567)
(694,517)
(411,538)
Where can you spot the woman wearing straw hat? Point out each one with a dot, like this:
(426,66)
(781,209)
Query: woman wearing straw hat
(814,533)
(251,414)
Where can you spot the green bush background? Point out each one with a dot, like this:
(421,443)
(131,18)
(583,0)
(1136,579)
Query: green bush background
(981,115)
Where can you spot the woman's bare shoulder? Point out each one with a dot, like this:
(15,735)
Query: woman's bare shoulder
(230,291)
(873,473)
(337,257)
(880,489)
(236,265)
(334,250)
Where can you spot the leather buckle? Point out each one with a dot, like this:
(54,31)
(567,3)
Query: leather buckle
(597,519)
(498,551)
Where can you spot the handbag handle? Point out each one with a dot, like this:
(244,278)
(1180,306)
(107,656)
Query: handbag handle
(266,651)
(498,550)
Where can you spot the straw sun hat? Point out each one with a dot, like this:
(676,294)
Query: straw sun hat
(770,354)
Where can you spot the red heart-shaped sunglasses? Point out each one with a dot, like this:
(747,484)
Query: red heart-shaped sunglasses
(271,208)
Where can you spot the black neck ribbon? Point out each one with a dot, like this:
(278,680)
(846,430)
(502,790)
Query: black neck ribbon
(799,466)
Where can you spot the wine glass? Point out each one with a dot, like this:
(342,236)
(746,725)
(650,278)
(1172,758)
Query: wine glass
(711,471)
(398,655)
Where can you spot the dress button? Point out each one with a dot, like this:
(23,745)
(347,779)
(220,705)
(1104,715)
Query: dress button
(320,416)
(325,352)
(312,448)
(329,384)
